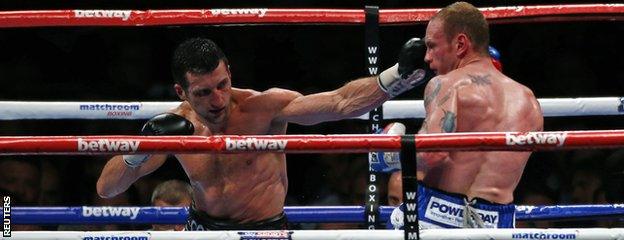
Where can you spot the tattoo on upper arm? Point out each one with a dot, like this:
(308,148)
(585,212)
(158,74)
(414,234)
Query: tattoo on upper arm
(433,93)
(445,98)
(480,80)
(448,122)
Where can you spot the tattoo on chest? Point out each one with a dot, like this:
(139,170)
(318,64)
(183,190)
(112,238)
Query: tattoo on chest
(432,95)
(448,122)
(480,80)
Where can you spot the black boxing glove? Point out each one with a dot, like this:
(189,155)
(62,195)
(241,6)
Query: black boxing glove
(159,125)
(410,70)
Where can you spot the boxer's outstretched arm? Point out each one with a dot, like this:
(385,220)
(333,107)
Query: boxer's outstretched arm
(117,176)
(362,95)
(353,99)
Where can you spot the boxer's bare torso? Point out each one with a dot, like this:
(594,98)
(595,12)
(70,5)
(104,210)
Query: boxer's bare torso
(248,187)
(478,98)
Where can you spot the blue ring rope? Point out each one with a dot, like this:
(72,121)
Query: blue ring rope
(321,214)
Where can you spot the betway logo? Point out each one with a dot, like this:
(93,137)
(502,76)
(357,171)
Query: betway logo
(104,145)
(130,212)
(536,138)
(239,11)
(123,14)
(255,144)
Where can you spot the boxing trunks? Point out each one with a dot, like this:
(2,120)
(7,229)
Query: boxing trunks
(440,209)
(200,221)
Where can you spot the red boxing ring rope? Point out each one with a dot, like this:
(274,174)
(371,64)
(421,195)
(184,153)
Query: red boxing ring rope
(511,14)
(489,141)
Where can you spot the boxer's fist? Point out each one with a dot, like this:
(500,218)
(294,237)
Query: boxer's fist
(163,124)
(167,124)
(410,70)
(388,161)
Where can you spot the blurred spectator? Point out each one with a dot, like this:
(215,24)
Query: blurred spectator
(584,186)
(395,187)
(51,193)
(172,193)
(22,177)
(537,196)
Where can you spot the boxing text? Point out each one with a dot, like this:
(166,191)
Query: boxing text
(130,212)
(557,139)
(104,145)
(123,14)
(113,110)
(110,107)
(255,144)
(260,12)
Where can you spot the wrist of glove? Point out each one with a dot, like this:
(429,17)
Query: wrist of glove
(391,82)
(135,161)
(159,125)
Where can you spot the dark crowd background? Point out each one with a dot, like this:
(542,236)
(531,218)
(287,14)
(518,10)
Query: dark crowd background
(570,59)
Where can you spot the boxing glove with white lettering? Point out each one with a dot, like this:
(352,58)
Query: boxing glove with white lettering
(410,70)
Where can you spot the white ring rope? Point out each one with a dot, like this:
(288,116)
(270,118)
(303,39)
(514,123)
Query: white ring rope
(518,233)
(397,109)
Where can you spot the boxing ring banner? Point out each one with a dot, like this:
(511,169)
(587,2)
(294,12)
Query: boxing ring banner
(314,214)
(396,109)
(355,143)
(228,16)
(430,234)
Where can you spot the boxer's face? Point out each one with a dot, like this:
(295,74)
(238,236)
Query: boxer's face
(395,187)
(440,54)
(185,202)
(209,94)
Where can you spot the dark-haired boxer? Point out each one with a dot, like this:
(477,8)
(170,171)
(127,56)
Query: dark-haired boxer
(247,191)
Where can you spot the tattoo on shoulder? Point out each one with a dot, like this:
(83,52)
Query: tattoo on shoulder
(480,80)
(444,99)
(448,122)
(436,89)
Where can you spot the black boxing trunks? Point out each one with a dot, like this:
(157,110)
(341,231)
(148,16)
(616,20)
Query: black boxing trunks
(200,221)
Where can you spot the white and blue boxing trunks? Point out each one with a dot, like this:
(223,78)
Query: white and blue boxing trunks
(440,209)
